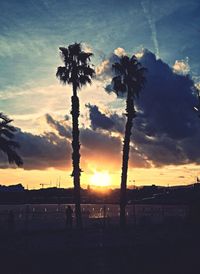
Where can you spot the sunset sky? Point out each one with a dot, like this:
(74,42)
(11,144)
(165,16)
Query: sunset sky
(164,35)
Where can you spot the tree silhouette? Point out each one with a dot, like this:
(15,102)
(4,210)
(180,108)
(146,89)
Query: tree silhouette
(129,79)
(76,72)
(7,144)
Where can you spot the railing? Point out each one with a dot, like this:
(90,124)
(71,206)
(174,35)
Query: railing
(38,217)
(52,217)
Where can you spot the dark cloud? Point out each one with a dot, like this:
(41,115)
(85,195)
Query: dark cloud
(136,159)
(100,146)
(100,143)
(167,101)
(41,152)
(100,121)
(45,151)
(91,140)
(95,142)
(166,129)
(63,130)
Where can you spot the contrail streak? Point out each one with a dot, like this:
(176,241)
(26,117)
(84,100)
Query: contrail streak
(151,21)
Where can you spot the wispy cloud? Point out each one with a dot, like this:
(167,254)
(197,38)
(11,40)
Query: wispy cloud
(22,44)
(146,6)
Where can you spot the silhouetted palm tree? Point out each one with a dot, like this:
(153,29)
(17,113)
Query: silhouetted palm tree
(129,79)
(7,145)
(77,72)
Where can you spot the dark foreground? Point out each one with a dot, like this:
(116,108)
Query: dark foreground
(150,250)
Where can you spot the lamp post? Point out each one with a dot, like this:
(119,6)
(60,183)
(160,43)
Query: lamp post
(133,181)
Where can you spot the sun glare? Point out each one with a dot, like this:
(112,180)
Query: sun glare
(102,179)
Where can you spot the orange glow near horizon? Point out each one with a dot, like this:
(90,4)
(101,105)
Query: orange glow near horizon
(100,179)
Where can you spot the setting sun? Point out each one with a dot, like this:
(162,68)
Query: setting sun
(100,179)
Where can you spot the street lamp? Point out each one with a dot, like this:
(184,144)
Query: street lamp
(133,181)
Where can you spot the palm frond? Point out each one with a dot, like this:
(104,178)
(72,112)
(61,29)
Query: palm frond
(83,80)
(63,74)
(13,157)
(64,54)
(74,49)
(76,66)
(125,61)
(5,118)
(129,75)
(8,146)
(118,85)
(84,57)
(86,70)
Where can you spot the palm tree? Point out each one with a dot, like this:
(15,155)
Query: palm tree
(7,145)
(76,72)
(129,79)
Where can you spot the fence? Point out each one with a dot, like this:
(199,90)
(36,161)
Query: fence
(41,217)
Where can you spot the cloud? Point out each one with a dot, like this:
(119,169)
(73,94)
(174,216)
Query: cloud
(96,147)
(93,143)
(97,144)
(41,151)
(86,47)
(100,143)
(166,130)
(137,159)
(63,129)
(181,66)
(100,120)
(103,67)
(120,52)
(166,103)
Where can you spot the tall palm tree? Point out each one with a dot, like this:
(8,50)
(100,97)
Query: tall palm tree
(7,144)
(76,72)
(129,79)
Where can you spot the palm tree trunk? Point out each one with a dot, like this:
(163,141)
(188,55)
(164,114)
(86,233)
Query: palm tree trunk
(125,157)
(76,156)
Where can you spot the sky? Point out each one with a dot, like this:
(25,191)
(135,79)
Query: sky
(164,35)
